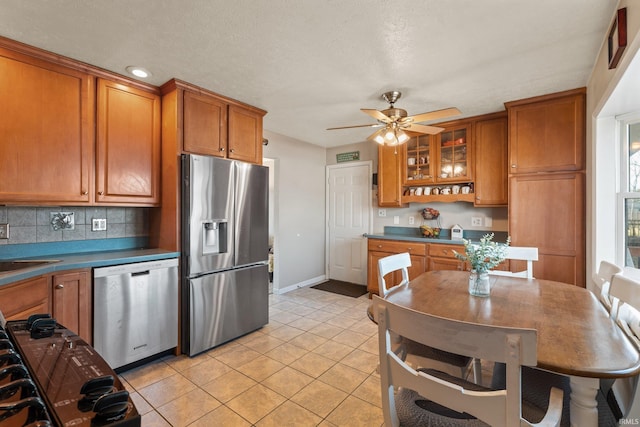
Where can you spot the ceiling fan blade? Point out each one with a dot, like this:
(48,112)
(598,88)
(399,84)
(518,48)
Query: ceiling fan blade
(433,115)
(376,114)
(373,125)
(429,130)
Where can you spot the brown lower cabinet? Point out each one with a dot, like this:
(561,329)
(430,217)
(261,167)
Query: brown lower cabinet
(21,299)
(66,295)
(380,248)
(442,257)
(71,300)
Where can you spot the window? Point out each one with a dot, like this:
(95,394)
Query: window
(629,194)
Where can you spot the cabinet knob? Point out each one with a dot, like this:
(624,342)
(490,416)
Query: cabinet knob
(84,193)
(379,246)
(59,286)
(231,151)
(221,149)
(100,193)
(409,249)
(513,166)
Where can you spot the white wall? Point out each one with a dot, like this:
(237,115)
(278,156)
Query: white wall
(299,210)
(609,93)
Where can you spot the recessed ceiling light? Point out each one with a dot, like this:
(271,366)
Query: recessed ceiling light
(138,71)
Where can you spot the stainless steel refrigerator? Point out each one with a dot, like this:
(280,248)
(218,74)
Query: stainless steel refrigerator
(224,251)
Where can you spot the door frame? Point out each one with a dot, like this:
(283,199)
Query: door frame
(369,164)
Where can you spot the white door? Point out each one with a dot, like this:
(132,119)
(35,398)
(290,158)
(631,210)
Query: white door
(349,217)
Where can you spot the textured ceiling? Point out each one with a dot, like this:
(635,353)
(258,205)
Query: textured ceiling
(312,64)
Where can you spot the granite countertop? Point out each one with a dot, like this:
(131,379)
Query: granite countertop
(84,260)
(413,234)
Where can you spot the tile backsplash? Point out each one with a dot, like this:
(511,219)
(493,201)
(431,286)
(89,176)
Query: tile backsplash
(33,224)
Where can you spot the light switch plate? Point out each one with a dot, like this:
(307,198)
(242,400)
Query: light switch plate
(4,231)
(98,224)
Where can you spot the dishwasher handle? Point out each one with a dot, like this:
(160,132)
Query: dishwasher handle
(140,273)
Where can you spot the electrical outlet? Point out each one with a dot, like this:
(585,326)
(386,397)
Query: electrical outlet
(476,221)
(412,220)
(4,231)
(98,224)
(382,212)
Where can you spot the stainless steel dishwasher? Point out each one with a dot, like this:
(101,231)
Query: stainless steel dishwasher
(135,310)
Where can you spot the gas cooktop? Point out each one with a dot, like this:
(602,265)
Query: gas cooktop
(52,377)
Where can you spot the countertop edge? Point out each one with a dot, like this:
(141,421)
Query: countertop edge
(86,260)
(412,239)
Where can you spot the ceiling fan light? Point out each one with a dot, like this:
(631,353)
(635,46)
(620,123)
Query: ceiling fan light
(378,136)
(402,137)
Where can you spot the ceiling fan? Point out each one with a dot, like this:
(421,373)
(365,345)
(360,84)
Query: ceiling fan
(395,121)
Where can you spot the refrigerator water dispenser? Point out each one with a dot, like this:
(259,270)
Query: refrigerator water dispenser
(215,237)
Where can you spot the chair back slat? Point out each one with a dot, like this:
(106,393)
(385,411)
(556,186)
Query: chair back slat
(625,291)
(389,264)
(519,253)
(602,280)
(515,347)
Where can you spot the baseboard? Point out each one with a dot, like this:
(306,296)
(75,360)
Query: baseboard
(304,284)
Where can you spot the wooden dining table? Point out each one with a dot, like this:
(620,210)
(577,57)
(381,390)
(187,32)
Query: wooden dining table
(576,337)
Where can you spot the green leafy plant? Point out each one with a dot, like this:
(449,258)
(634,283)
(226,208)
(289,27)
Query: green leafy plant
(484,256)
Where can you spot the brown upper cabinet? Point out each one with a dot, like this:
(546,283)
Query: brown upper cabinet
(454,153)
(205,124)
(51,111)
(390,170)
(211,124)
(491,172)
(46,131)
(469,153)
(547,133)
(419,161)
(128,145)
(245,134)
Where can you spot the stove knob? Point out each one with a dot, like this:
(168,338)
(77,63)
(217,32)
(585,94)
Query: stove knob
(95,387)
(112,407)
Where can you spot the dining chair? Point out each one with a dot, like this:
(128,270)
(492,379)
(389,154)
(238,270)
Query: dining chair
(602,280)
(431,397)
(519,253)
(624,292)
(405,347)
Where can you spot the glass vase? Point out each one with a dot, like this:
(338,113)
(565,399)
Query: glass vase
(479,284)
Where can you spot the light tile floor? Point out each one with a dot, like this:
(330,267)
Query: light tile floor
(314,364)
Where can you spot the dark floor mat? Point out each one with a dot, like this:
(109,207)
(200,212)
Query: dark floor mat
(343,288)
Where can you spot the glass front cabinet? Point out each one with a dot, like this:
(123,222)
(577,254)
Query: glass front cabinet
(454,154)
(439,167)
(419,161)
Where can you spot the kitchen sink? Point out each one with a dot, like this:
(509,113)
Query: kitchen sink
(19,264)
